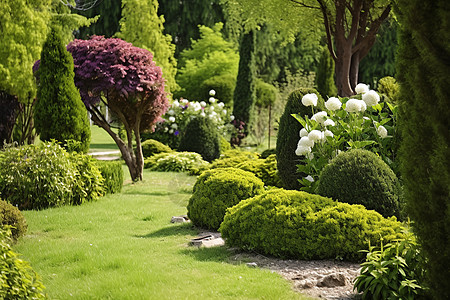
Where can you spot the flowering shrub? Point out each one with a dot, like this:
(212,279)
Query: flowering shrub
(347,123)
(173,123)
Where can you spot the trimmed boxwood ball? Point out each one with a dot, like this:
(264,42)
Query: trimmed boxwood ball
(264,169)
(361,177)
(201,136)
(218,189)
(289,223)
(11,215)
(151,147)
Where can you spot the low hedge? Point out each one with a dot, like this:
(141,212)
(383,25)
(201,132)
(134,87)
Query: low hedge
(112,173)
(232,158)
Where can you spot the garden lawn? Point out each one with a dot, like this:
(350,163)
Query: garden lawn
(124,247)
(101,141)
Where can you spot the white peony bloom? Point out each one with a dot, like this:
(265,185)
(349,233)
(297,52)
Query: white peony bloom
(212,92)
(224,111)
(305,142)
(315,135)
(363,106)
(220,104)
(329,122)
(211,108)
(202,114)
(203,103)
(353,105)
(196,106)
(309,100)
(212,99)
(333,104)
(303,132)
(382,131)
(302,150)
(175,103)
(172,119)
(361,88)
(174,126)
(328,133)
(309,178)
(320,117)
(371,98)
(231,118)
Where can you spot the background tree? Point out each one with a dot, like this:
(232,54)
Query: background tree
(127,80)
(423,68)
(245,92)
(109,12)
(9,106)
(59,113)
(141,26)
(325,75)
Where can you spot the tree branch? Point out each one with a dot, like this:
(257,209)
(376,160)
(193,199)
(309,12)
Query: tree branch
(300,3)
(324,10)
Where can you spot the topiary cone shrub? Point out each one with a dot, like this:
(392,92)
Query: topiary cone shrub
(288,136)
(361,177)
(218,189)
(201,136)
(287,223)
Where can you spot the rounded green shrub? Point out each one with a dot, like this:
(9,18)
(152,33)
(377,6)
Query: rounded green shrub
(232,158)
(264,169)
(151,147)
(11,216)
(18,281)
(361,177)
(201,137)
(112,173)
(89,183)
(288,223)
(218,189)
(288,136)
(176,162)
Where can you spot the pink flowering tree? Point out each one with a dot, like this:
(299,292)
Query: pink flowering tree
(127,81)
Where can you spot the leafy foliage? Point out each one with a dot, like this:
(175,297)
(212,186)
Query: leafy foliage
(389,88)
(264,169)
(9,108)
(151,147)
(218,189)
(232,158)
(108,22)
(361,177)
(176,162)
(59,112)
(325,75)
(287,223)
(224,86)
(112,173)
(17,278)
(11,216)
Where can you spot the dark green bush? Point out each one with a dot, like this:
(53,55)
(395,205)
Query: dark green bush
(112,172)
(201,136)
(268,152)
(232,158)
(89,184)
(288,136)
(223,85)
(176,162)
(288,223)
(18,280)
(264,169)
(151,147)
(361,177)
(218,189)
(11,216)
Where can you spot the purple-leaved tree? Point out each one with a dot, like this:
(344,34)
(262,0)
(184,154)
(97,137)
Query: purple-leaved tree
(128,82)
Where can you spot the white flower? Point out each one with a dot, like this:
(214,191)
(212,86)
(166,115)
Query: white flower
(172,119)
(303,132)
(382,131)
(305,142)
(211,108)
(174,126)
(309,178)
(171,112)
(309,155)
(196,106)
(212,99)
(212,92)
(309,99)
(184,101)
(175,103)
(231,118)
(315,135)
(202,114)
(329,122)
(328,133)
(353,105)
(371,98)
(320,117)
(224,111)
(171,131)
(366,118)
(333,104)
(363,106)
(166,129)
(203,103)
(302,150)
(220,104)
(361,88)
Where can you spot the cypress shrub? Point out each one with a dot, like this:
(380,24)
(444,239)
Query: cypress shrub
(288,136)
(112,172)
(11,216)
(422,71)
(59,113)
(325,82)
(201,136)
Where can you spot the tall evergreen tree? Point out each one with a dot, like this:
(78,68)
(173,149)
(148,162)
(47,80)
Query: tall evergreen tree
(325,75)
(423,68)
(141,26)
(109,12)
(59,113)
(244,93)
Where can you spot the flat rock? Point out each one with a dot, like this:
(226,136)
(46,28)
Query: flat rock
(332,280)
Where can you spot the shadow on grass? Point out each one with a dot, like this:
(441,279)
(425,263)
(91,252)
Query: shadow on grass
(215,254)
(172,230)
(152,193)
(104,146)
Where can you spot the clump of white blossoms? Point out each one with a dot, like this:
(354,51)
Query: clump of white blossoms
(212,93)
(301,150)
(212,99)
(320,117)
(363,106)
(305,142)
(353,105)
(371,98)
(303,132)
(361,88)
(309,100)
(382,131)
(315,135)
(333,104)
(329,122)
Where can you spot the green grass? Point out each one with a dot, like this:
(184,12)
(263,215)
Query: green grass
(101,141)
(124,247)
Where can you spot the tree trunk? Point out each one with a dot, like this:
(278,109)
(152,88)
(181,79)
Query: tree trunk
(343,67)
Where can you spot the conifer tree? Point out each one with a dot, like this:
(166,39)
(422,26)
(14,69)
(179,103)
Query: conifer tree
(244,93)
(59,113)
(423,66)
(141,26)
(325,75)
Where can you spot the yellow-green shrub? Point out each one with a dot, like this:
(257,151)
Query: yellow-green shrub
(264,169)
(112,173)
(11,216)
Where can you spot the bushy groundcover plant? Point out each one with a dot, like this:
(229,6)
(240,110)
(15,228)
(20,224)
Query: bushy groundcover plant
(233,157)
(176,162)
(264,169)
(346,123)
(289,223)
(112,173)
(11,216)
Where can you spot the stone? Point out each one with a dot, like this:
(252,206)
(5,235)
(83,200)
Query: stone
(333,280)
(179,219)
(252,265)
(213,243)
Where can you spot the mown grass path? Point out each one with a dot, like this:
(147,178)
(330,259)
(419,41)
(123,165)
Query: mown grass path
(124,247)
